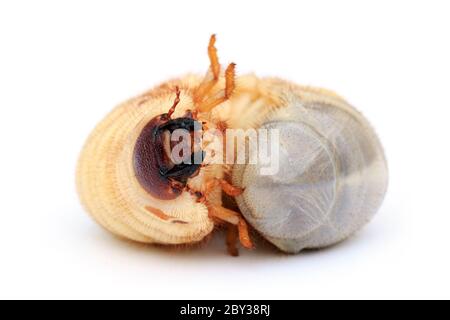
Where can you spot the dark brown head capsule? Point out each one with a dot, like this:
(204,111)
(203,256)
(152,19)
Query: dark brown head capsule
(152,161)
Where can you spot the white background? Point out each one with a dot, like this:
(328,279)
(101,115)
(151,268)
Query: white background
(64,65)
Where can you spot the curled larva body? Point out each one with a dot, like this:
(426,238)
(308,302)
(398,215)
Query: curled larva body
(141,182)
(332,178)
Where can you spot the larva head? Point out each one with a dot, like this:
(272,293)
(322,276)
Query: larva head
(161,166)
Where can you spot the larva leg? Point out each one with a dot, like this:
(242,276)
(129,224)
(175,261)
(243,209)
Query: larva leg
(244,236)
(213,58)
(212,76)
(226,187)
(175,103)
(224,214)
(229,88)
(232,239)
(230,189)
(236,219)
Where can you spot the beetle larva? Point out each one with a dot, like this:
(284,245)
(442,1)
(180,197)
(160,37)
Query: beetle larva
(331,179)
